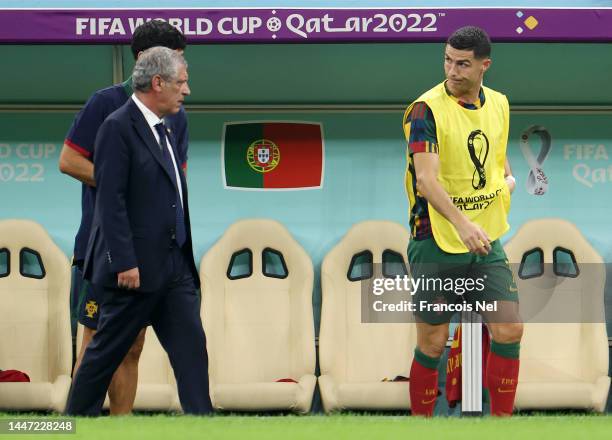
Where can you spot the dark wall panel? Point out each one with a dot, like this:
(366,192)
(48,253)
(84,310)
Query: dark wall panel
(530,74)
(53,74)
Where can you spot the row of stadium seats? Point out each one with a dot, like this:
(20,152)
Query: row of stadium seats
(257,284)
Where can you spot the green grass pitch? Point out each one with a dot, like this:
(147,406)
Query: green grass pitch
(337,427)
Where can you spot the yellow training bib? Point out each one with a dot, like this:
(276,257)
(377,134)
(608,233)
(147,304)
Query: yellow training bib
(472,150)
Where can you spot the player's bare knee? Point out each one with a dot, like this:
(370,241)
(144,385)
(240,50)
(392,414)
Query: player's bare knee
(133,355)
(432,340)
(507,333)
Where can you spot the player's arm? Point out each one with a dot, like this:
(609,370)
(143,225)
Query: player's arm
(426,166)
(510,180)
(76,165)
(77,152)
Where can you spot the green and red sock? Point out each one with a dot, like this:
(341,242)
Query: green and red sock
(423,384)
(502,377)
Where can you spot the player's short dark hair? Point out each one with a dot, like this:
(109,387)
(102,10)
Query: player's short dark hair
(471,38)
(157,33)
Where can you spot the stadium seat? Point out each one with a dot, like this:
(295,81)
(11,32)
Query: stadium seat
(34,317)
(563,364)
(257,312)
(156,389)
(355,357)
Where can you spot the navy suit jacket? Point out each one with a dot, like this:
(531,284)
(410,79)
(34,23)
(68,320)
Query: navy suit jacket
(135,218)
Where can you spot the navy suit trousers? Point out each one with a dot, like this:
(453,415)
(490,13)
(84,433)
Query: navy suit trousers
(174,313)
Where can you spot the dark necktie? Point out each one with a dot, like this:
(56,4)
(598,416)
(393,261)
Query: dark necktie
(181,235)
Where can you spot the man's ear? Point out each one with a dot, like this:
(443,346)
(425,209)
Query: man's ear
(486,64)
(156,83)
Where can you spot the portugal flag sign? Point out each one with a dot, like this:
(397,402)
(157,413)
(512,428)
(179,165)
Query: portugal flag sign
(273,155)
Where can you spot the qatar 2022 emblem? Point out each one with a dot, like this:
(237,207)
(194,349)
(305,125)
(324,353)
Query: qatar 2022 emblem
(263,155)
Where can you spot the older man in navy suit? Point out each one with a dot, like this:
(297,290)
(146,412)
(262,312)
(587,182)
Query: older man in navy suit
(139,253)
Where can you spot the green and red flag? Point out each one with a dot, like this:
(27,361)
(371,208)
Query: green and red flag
(273,155)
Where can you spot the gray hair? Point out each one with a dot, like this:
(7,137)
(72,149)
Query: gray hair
(156,61)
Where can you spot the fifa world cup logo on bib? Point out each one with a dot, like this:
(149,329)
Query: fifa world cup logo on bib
(478,147)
